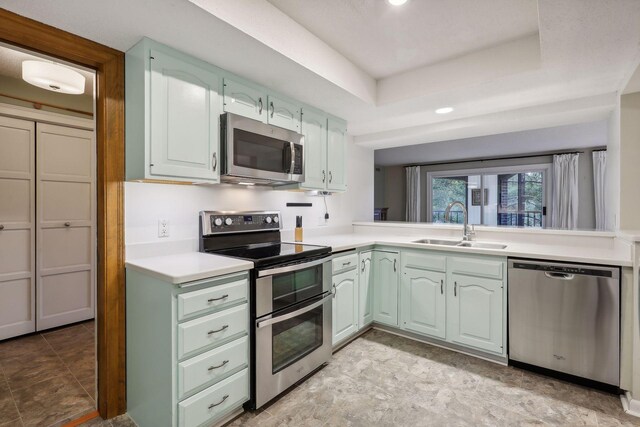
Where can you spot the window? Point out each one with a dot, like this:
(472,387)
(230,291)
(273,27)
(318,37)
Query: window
(504,196)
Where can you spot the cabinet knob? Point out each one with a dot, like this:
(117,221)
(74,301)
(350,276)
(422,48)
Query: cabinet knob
(67,224)
(1,227)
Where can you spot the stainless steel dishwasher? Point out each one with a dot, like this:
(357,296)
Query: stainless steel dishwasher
(565,318)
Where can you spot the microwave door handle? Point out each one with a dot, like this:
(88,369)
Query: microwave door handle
(278,319)
(293,157)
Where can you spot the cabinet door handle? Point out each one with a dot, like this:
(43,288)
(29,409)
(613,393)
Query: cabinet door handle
(455,289)
(214,160)
(211,368)
(330,177)
(260,105)
(394,264)
(273,109)
(441,287)
(324,176)
(363,266)
(210,300)
(218,330)
(213,405)
(333,294)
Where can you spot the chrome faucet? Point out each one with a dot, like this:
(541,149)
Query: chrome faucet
(466,233)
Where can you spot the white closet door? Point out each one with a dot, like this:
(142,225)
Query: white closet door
(65,217)
(17,227)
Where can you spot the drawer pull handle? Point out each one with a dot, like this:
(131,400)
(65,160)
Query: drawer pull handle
(210,300)
(213,405)
(211,368)
(344,264)
(218,330)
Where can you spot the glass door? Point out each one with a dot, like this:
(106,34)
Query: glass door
(294,338)
(293,287)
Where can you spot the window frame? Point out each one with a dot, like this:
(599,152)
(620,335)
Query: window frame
(545,168)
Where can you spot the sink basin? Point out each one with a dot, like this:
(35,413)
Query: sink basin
(438,242)
(460,243)
(482,245)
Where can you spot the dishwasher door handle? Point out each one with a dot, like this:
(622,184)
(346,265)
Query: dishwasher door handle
(559,276)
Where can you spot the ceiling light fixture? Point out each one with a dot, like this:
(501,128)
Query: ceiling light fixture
(246,183)
(54,77)
(444,110)
(397,2)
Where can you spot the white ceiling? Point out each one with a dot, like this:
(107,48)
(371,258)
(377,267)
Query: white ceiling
(384,40)
(568,137)
(11,65)
(569,71)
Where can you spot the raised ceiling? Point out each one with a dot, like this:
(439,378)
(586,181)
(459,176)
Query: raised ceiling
(384,40)
(568,70)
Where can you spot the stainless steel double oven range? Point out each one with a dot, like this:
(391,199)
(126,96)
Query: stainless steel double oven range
(290,297)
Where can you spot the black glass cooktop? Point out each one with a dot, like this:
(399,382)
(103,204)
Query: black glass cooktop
(271,253)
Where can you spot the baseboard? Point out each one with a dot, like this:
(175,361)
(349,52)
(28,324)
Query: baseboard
(630,405)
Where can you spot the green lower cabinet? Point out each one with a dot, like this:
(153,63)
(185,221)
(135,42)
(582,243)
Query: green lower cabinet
(345,305)
(365,285)
(385,287)
(475,308)
(423,302)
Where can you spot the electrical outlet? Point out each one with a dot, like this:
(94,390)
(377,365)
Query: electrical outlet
(163,228)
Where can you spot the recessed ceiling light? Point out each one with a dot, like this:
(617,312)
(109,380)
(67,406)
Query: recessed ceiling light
(397,2)
(54,77)
(444,110)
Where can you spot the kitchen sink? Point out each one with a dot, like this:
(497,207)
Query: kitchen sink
(482,245)
(438,242)
(460,243)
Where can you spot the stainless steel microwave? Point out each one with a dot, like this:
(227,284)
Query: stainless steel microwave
(257,153)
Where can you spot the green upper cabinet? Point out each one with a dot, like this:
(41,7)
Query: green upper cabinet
(172,116)
(283,113)
(476,312)
(345,305)
(365,282)
(314,129)
(245,100)
(336,155)
(385,287)
(423,302)
(256,103)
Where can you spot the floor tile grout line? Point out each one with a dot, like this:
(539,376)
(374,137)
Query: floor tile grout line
(66,365)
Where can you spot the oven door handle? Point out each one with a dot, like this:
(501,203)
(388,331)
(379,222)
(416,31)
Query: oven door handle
(278,319)
(295,267)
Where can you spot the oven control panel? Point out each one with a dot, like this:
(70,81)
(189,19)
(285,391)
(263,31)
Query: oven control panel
(236,222)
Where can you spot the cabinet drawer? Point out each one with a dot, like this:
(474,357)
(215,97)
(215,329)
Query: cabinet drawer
(424,261)
(212,366)
(214,402)
(212,299)
(477,267)
(212,330)
(344,262)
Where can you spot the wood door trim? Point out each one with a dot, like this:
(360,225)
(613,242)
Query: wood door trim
(109,65)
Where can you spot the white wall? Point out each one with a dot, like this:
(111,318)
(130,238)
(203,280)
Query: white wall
(612,178)
(146,203)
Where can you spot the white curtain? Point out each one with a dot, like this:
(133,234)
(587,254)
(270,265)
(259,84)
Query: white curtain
(412,209)
(565,191)
(599,170)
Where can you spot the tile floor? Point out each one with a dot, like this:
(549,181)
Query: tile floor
(48,379)
(381,379)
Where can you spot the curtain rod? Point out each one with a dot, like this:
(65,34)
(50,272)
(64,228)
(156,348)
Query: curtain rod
(486,159)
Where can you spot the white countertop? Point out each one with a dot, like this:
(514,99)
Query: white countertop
(187,267)
(592,255)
